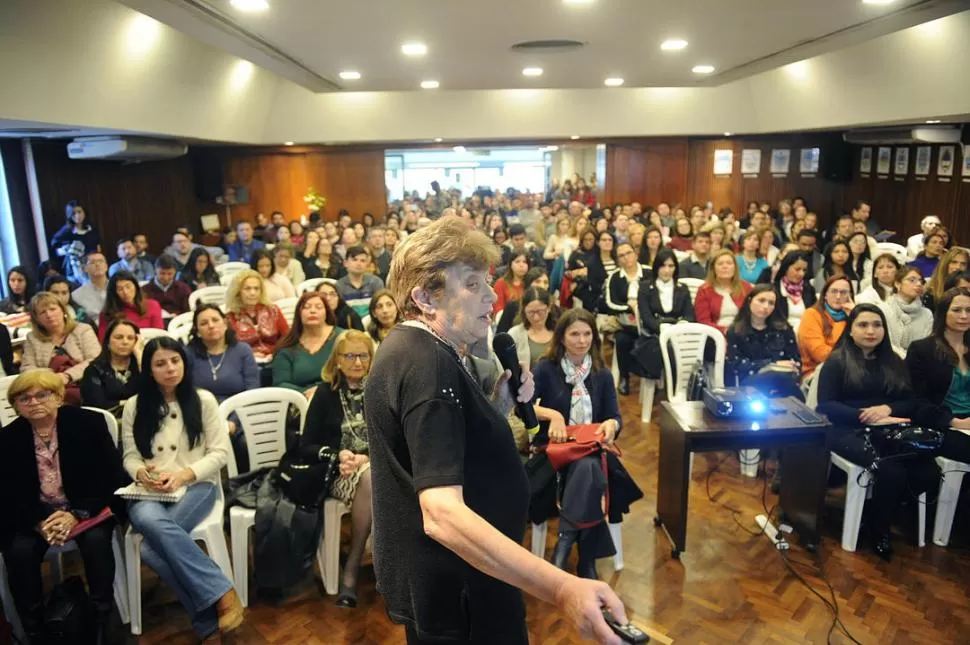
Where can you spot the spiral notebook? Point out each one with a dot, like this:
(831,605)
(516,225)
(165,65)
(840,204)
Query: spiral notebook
(137,491)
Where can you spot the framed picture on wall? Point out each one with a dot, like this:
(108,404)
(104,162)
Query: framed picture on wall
(865,161)
(924,154)
(723,162)
(902,161)
(808,161)
(944,166)
(966,164)
(780,162)
(750,162)
(884,160)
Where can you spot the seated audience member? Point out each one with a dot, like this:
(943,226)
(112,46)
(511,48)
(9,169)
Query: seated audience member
(536,277)
(953,261)
(75,241)
(795,293)
(621,290)
(519,244)
(307,253)
(860,259)
(682,235)
(296,233)
(112,378)
(836,262)
(722,294)
(199,271)
(907,320)
(621,228)
(933,250)
(169,411)
(662,301)
(761,348)
(379,253)
(171,294)
(299,356)
(284,257)
(129,261)
(348,240)
(358,287)
(559,245)
(750,262)
(864,382)
(767,240)
(573,387)
(696,264)
(91,295)
(392,237)
(19,291)
(652,243)
(242,249)
(60,287)
(585,290)
(940,372)
(180,248)
(532,332)
(808,244)
(125,300)
(511,284)
(336,424)
(222,365)
(954,280)
(277,285)
(140,241)
(883,280)
(769,274)
(823,324)
(59,343)
(58,466)
(343,313)
(326,263)
(253,318)
(914,245)
(384,315)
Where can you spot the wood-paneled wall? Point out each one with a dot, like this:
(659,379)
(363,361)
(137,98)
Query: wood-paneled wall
(649,171)
(348,179)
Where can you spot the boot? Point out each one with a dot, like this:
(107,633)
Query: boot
(230,611)
(110,631)
(882,547)
(587,565)
(33,623)
(624,386)
(564,545)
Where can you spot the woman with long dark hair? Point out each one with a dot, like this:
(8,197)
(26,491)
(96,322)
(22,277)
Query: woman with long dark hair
(20,289)
(883,280)
(860,259)
(125,300)
(299,357)
(823,324)
(112,378)
(578,269)
(795,293)
(175,440)
(761,348)
(661,300)
(75,240)
(384,314)
(652,243)
(277,285)
(865,383)
(836,262)
(199,270)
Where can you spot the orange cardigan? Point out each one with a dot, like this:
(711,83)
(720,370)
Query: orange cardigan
(815,346)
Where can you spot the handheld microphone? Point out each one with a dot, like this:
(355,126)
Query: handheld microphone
(504,348)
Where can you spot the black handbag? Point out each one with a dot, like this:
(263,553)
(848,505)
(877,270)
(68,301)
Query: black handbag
(697,382)
(305,479)
(69,615)
(646,353)
(903,440)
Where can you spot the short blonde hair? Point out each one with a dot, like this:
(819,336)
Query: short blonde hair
(331,374)
(232,293)
(41,378)
(421,260)
(41,301)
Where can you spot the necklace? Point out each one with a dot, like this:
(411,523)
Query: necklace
(215,368)
(749,265)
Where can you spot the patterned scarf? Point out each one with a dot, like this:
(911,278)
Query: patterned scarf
(580,403)
(793,290)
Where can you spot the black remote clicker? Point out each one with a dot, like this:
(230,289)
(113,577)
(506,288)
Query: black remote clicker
(628,632)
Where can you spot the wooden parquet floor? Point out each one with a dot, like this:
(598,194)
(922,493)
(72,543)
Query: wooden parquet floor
(728,587)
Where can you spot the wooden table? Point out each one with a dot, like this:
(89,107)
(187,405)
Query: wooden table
(688,427)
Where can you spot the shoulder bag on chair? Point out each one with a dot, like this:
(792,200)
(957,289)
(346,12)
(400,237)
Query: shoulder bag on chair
(583,441)
(305,479)
(901,440)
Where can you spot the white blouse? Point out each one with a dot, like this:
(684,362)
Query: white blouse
(729,310)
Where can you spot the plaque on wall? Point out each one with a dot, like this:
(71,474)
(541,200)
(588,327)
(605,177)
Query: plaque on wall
(723,162)
(884,161)
(808,161)
(865,162)
(780,162)
(750,163)
(924,155)
(901,168)
(965,168)
(944,166)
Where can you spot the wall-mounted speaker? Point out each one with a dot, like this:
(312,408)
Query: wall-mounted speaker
(837,158)
(207,174)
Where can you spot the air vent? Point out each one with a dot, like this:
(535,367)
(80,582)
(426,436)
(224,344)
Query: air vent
(548,46)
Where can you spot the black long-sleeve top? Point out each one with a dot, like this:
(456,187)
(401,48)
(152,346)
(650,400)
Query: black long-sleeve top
(652,313)
(749,353)
(324,420)
(101,387)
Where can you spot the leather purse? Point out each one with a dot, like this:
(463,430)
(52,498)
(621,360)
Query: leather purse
(904,440)
(582,441)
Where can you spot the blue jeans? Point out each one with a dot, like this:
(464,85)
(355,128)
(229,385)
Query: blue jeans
(173,554)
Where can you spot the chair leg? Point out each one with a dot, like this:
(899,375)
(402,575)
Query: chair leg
(133,564)
(648,388)
(330,572)
(539,532)
(239,534)
(57,567)
(946,507)
(121,577)
(921,517)
(749,462)
(615,368)
(616,532)
(855,499)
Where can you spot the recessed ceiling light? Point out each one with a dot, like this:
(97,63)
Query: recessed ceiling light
(350,76)
(703,69)
(429,85)
(931,121)
(532,71)
(459,148)
(878,1)
(287,143)
(438,139)
(574,137)
(579,1)
(414,49)
(673,45)
(727,134)
(250,5)
(613,82)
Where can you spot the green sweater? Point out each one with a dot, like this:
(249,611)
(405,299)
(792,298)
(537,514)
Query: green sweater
(297,369)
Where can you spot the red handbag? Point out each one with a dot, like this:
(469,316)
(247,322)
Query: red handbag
(582,441)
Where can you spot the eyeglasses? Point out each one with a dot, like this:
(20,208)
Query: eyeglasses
(840,293)
(40,397)
(537,313)
(353,358)
(914,280)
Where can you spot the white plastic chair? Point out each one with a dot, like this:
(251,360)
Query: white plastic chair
(539,532)
(208,295)
(210,531)
(7,413)
(288,308)
(230,268)
(946,505)
(328,553)
(857,486)
(692,284)
(308,285)
(262,415)
(150,332)
(896,249)
(180,326)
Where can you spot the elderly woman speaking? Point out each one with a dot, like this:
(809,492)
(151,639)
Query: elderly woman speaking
(449,489)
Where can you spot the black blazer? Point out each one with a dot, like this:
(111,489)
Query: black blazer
(91,470)
(617,288)
(652,313)
(930,375)
(808,296)
(323,420)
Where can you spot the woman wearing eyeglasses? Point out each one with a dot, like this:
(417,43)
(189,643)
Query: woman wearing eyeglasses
(58,466)
(622,290)
(823,324)
(336,423)
(532,332)
(907,319)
